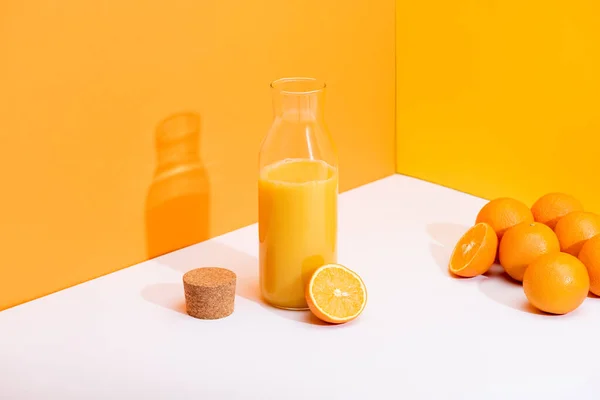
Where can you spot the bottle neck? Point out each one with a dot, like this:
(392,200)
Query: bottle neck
(302,107)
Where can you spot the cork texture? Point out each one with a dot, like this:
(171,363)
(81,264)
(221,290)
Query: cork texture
(209,292)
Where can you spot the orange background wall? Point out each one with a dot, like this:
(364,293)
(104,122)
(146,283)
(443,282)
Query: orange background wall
(500,98)
(84,84)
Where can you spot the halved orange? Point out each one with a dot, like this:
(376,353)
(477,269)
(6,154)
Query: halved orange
(475,251)
(335,294)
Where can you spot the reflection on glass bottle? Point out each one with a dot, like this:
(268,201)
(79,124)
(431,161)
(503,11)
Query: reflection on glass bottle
(177,204)
(298,190)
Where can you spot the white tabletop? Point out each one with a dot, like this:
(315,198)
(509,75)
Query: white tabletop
(423,334)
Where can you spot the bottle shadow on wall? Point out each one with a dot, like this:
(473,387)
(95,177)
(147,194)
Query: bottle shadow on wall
(177,208)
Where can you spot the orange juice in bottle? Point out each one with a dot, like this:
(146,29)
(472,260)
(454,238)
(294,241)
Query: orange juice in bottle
(298,189)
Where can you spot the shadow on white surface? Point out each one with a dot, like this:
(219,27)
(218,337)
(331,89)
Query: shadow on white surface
(501,288)
(306,317)
(441,255)
(444,235)
(215,254)
(167,295)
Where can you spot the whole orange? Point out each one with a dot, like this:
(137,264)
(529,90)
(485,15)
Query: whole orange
(556,283)
(590,257)
(574,229)
(523,244)
(551,207)
(504,213)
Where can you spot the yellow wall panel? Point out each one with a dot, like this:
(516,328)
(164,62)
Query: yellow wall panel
(500,98)
(84,85)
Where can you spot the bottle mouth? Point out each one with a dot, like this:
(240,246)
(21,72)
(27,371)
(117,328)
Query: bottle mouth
(298,86)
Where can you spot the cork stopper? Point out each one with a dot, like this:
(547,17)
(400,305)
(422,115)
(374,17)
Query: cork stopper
(209,292)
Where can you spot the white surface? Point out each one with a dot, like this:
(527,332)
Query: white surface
(423,334)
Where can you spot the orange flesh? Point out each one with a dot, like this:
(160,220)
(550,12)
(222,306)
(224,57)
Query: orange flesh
(338,292)
(469,248)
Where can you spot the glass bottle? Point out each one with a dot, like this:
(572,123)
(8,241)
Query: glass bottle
(298,190)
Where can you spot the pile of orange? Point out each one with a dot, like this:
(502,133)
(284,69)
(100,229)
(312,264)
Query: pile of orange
(553,248)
